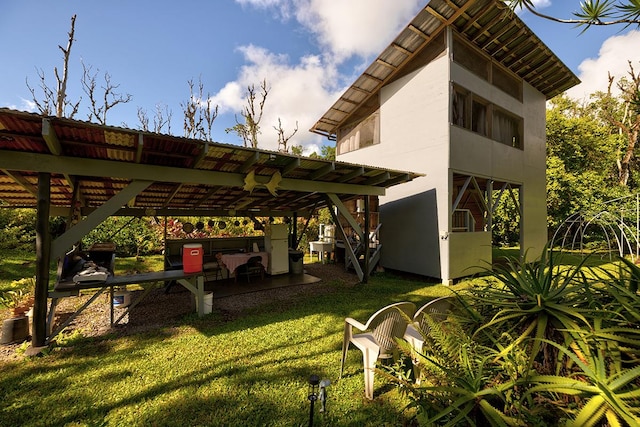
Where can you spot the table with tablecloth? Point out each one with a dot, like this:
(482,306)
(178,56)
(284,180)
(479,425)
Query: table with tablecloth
(233,261)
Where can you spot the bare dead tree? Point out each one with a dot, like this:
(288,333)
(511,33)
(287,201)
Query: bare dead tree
(625,117)
(46,105)
(250,129)
(110,98)
(210,115)
(56,100)
(143,118)
(199,115)
(282,139)
(161,119)
(62,82)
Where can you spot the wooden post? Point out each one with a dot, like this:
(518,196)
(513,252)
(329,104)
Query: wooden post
(365,235)
(294,232)
(43,258)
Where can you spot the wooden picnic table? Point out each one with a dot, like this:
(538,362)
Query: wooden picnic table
(194,282)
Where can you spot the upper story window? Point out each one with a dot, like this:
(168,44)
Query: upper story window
(364,134)
(506,128)
(482,66)
(472,112)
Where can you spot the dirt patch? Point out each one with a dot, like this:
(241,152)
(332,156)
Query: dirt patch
(94,321)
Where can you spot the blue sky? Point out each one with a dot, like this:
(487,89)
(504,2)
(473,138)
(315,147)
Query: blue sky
(307,50)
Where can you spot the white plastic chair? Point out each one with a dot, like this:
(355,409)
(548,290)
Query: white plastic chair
(378,338)
(437,309)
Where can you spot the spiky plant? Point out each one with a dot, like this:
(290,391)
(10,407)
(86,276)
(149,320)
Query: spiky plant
(618,312)
(605,391)
(535,300)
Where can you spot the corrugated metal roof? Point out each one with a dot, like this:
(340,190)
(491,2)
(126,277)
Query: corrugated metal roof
(80,155)
(488,24)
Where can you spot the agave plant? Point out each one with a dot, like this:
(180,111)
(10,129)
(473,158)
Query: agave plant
(535,300)
(606,390)
(618,313)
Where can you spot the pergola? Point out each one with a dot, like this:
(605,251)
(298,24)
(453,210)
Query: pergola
(88,172)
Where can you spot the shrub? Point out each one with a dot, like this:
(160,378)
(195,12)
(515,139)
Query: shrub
(546,345)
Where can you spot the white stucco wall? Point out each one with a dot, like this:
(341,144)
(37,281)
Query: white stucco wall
(416,135)
(534,236)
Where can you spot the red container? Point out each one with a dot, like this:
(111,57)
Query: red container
(192,258)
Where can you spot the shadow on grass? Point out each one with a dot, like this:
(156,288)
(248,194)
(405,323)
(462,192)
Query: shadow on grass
(209,371)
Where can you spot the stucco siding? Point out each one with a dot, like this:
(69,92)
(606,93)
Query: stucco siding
(472,251)
(414,135)
(534,227)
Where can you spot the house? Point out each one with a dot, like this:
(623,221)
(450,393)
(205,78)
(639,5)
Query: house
(460,96)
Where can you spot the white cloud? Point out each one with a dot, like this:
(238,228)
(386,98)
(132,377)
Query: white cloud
(613,57)
(28,105)
(541,3)
(537,4)
(302,89)
(281,6)
(355,27)
(297,92)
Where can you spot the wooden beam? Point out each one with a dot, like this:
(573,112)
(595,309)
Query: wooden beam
(43,258)
(53,143)
(252,160)
(202,155)
(291,166)
(17,177)
(139,148)
(378,179)
(12,160)
(50,137)
(173,193)
(355,173)
(207,196)
(349,253)
(81,229)
(365,241)
(402,49)
(385,64)
(323,171)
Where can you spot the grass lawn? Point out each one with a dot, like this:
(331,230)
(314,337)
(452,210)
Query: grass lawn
(249,371)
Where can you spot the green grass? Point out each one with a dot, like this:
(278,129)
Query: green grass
(16,264)
(250,371)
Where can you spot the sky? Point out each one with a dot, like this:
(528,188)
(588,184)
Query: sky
(308,51)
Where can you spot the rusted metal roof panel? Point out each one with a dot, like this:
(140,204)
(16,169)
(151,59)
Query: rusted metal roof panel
(78,144)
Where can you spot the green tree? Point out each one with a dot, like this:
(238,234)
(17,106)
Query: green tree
(327,152)
(581,160)
(622,113)
(132,236)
